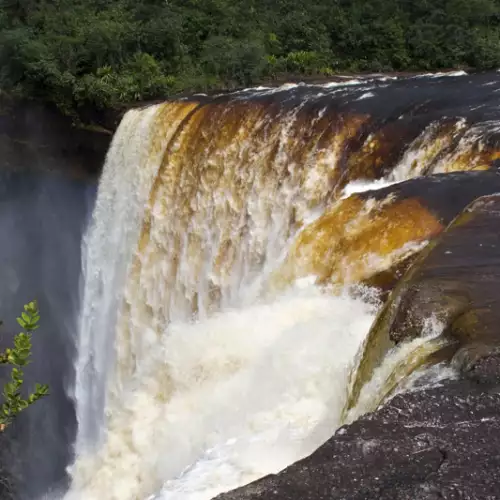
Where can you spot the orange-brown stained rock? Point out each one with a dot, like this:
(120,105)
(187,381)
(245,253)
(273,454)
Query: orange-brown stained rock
(382,149)
(358,238)
(370,237)
(400,150)
(474,158)
(470,149)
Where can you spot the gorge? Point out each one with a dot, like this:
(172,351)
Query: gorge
(261,269)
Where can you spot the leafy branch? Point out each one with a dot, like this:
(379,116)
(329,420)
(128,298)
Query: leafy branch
(18,357)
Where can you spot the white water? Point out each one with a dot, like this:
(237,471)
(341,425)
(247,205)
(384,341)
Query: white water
(441,74)
(103,271)
(362,185)
(195,408)
(399,363)
(131,164)
(231,398)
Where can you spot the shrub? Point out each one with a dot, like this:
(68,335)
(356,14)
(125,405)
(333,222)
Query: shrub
(18,357)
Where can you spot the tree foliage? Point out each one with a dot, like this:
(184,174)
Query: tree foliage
(106,52)
(18,357)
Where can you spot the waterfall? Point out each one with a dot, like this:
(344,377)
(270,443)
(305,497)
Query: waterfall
(131,165)
(195,373)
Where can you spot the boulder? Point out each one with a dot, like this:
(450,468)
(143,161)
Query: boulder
(455,280)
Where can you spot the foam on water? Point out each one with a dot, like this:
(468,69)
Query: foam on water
(362,185)
(229,399)
(442,74)
(366,95)
(398,364)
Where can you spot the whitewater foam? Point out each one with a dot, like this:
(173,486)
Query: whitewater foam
(363,185)
(229,399)
(399,364)
(107,251)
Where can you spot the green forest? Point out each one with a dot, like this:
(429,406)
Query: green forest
(107,52)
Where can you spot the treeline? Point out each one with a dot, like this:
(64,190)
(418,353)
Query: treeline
(107,52)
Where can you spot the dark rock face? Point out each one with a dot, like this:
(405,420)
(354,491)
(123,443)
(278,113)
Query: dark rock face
(42,219)
(35,136)
(457,279)
(443,196)
(439,443)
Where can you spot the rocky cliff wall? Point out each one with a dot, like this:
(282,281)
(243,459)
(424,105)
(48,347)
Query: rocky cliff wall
(35,136)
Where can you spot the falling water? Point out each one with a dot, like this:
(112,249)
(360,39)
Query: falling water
(195,374)
(223,206)
(130,168)
(399,363)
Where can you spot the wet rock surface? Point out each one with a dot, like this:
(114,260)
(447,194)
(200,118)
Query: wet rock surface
(373,237)
(456,279)
(439,443)
(443,196)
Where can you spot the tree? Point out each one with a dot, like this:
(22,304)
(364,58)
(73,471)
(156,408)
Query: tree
(102,54)
(18,357)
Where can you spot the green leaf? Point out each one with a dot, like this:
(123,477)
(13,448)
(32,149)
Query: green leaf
(18,356)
